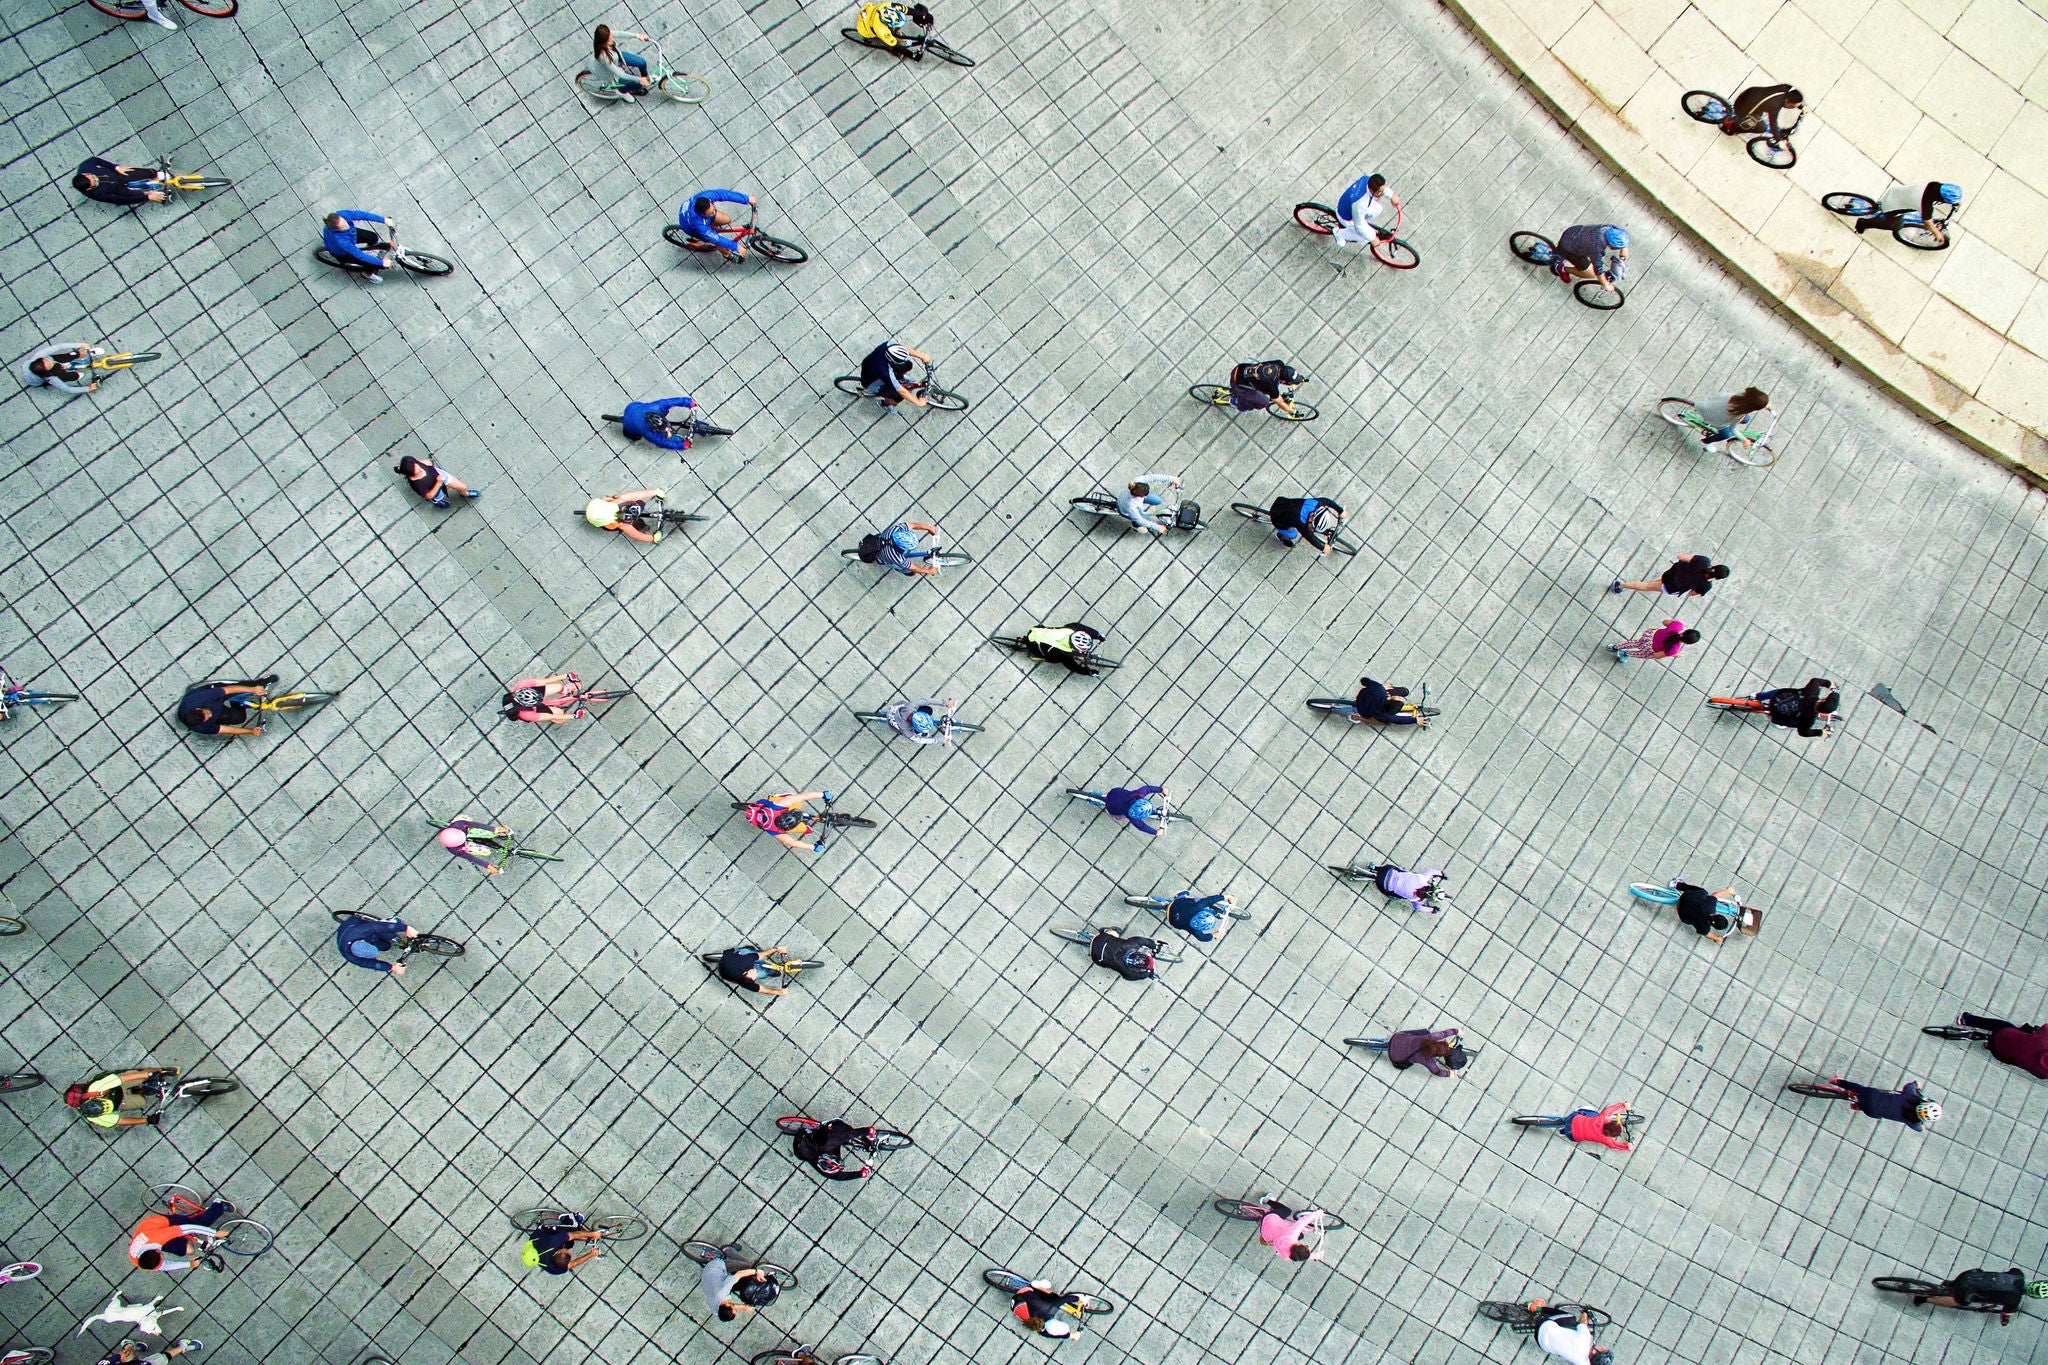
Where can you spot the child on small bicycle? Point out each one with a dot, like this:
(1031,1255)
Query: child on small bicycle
(458,840)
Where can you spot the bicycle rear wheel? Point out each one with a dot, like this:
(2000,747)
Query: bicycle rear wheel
(945,400)
(1556,1121)
(1082,937)
(10,925)
(20,1080)
(1217,394)
(1598,295)
(1369,1044)
(1394,253)
(345,916)
(1351,873)
(1902,1284)
(1316,218)
(1681,412)
(200,1089)
(1816,1091)
(1093,502)
(435,945)
(244,1237)
(1655,894)
(703,1253)
(1092,798)
(794,1124)
(944,53)
(1148,902)
(1951,1031)
(44,698)
(1779,156)
(527,1219)
(889,1140)
(777,250)
(1704,105)
(1242,1209)
(1849,205)
(1513,1314)
(420,263)
(119,11)
(1532,247)
(1008,1280)
(1249,512)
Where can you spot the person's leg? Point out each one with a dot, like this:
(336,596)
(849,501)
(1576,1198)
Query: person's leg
(1969,1020)
(633,62)
(213,1213)
(155,11)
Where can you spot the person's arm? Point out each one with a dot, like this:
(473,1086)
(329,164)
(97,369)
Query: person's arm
(632,532)
(792,841)
(589,1255)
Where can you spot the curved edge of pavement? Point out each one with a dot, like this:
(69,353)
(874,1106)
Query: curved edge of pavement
(1846,334)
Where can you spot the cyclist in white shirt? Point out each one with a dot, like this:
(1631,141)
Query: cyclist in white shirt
(1142,493)
(1359,205)
(1569,1340)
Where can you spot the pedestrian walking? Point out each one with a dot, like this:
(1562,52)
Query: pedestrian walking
(1690,576)
(433,484)
(1661,642)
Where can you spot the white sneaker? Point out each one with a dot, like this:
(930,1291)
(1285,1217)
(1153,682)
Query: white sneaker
(375,276)
(161,18)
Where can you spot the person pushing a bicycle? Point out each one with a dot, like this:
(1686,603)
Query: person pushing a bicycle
(210,708)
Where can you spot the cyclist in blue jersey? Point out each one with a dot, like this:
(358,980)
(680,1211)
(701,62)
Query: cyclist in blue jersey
(1317,519)
(1594,251)
(1359,205)
(651,422)
(361,940)
(702,220)
(346,239)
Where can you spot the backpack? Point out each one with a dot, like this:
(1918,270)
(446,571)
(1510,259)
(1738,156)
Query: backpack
(871,547)
(529,1254)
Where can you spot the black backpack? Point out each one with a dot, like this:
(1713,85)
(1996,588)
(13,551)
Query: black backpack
(871,545)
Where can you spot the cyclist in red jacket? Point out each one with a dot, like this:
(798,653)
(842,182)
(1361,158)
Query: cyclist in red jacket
(1604,1126)
(2022,1045)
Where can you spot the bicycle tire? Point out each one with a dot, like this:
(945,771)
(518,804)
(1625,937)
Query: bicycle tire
(1095,1306)
(889,1140)
(1343,546)
(537,857)
(20,1080)
(779,1273)
(1303,412)
(1556,1121)
(1148,902)
(1332,1223)
(794,1124)
(1920,237)
(1779,156)
(1953,1032)
(1595,1318)
(1074,936)
(606,92)
(218,9)
(1758,456)
(1532,247)
(777,250)
(526,1220)
(1653,893)
(44,698)
(961,727)
(158,1197)
(31,1355)
(948,559)
(1395,253)
(703,1253)
(1217,395)
(674,235)
(1513,1314)
(1241,1209)
(1901,1284)
(850,383)
(1740,706)
(10,925)
(1849,205)
(684,87)
(1816,1092)
(1251,513)
(437,945)
(1008,1280)
(1317,218)
(346,916)
(621,1227)
(796,966)
(200,1089)
(1681,412)
(421,262)
(1704,105)
(119,11)
(1369,1044)
(300,701)
(130,359)
(780,1356)
(1093,502)
(856,36)
(1599,295)
(1356,874)
(1092,798)
(681,518)
(244,1237)
(1332,706)
(944,400)
(605,694)
(194,183)
(945,53)
(837,821)
(328,258)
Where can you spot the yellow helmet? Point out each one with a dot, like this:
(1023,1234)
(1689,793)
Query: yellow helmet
(601,513)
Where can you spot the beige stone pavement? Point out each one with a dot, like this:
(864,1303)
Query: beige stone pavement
(1897,92)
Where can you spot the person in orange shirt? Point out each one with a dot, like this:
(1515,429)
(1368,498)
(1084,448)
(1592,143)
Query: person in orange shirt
(176,1240)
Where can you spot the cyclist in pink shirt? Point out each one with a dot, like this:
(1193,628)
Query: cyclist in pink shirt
(1288,1232)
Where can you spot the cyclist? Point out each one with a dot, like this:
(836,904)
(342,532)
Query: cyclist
(820,1146)
(550,700)
(456,840)
(1138,496)
(1774,108)
(1707,911)
(100,1102)
(1288,1232)
(2021,1045)
(1255,385)
(733,1292)
(651,422)
(1203,916)
(885,374)
(702,221)
(1438,1051)
(1314,518)
(1731,414)
(926,720)
(2000,1289)
(884,24)
(175,1241)
(432,483)
(553,1247)
(130,1353)
(1135,806)
(1042,1310)
(1416,888)
(1072,644)
(1906,1105)
(1383,706)
(1933,204)
(741,967)
(782,816)
(1360,204)
(626,513)
(349,240)
(1593,251)
(1130,958)
(58,367)
(1603,1126)
(626,70)
(1801,707)
(1567,1337)
(360,940)
(99,178)
(897,546)
(210,708)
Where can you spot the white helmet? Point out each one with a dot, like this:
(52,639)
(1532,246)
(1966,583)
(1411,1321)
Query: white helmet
(1928,1111)
(601,513)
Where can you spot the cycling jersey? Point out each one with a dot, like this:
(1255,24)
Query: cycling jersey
(2000,1289)
(888,556)
(360,940)
(1056,644)
(469,852)
(1698,908)
(343,241)
(1359,201)
(735,963)
(1290,518)
(1130,958)
(113,186)
(1764,102)
(885,368)
(107,1088)
(1588,1126)
(1373,702)
(899,714)
(1924,205)
(174,1240)
(546,1243)
(648,422)
(702,228)
(1034,1304)
(212,699)
(1896,1105)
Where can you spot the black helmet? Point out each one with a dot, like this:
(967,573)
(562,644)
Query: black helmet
(787,820)
(81,182)
(1826,705)
(701,204)
(1457,1058)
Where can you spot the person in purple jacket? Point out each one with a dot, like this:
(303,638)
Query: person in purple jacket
(1135,806)
(1439,1051)
(457,840)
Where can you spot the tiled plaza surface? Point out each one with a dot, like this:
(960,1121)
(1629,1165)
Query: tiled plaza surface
(1090,220)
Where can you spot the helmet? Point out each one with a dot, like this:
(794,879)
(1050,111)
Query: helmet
(74,1095)
(1927,1111)
(1615,238)
(1143,809)
(1951,194)
(97,1107)
(899,354)
(1324,520)
(787,820)
(903,538)
(81,182)
(924,722)
(1457,1058)
(1601,1358)
(453,838)
(601,512)
(701,204)
(2037,1289)
(1083,641)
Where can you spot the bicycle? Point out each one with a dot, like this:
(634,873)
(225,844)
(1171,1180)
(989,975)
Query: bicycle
(704,1253)
(827,819)
(937,557)
(236,1235)
(286,704)
(1218,396)
(948,727)
(1022,645)
(781,963)
(1175,513)
(914,46)
(1162,906)
(1440,896)
(1388,249)
(408,260)
(1744,448)
(655,518)
(1249,1211)
(1599,294)
(1259,514)
(944,400)
(28,1355)
(14,1081)
(506,844)
(680,87)
(698,426)
(1518,1317)
(1822,1090)
(1907,227)
(579,697)
(14,694)
(167,1090)
(187,183)
(1748,919)
(1086,938)
(1089,1305)
(804,1355)
(610,1227)
(433,945)
(766,247)
(1749,706)
(1899,1284)
(1380,1045)
(212,9)
(1953,1032)
(1162,809)
(1764,150)
(1631,1123)
(883,1141)
(1345,706)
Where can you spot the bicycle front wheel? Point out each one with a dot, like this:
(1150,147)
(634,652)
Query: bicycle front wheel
(1957,1032)
(950,559)
(1216,394)
(945,400)
(1332,1223)
(838,821)
(434,945)
(621,1227)
(1779,156)
(301,701)
(10,925)
(1920,237)
(1300,412)
(200,1089)
(244,1237)
(1094,1306)
(683,87)
(777,250)
(420,263)
(1395,254)
(1816,1091)
(1900,1284)
(1008,1280)
(1316,218)
(946,53)
(1343,545)
(201,182)
(889,1140)
(1681,412)
(781,1274)
(1849,205)
(1598,295)
(1758,456)
(1241,1209)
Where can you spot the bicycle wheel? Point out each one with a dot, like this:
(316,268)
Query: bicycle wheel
(1369,1044)
(1598,295)
(674,235)
(1080,936)
(1920,237)
(1738,705)
(419,262)
(784,1355)
(1094,1306)
(1540,1121)
(435,945)
(777,250)
(31,1355)
(537,857)
(1316,218)
(1595,1318)
(961,727)
(1820,1091)
(344,916)
(681,518)
(1513,1314)
(1779,156)
(1218,394)
(1952,1031)
(1532,247)
(214,9)
(794,1124)
(621,1227)
(950,559)
(1355,873)
(944,400)
(528,1219)
(203,182)
(794,966)
(838,821)
(781,1274)
(1148,902)
(1681,412)
(1008,1280)
(1302,413)
(20,1080)
(10,925)
(1341,545)
(1093,502)
(1849,205)
(945,53)
(703,1253)
(701,428)
(244,1237)
(889,1140)
(1704,105)
(1249,512)
(1394,253)
(301,701)
(200,1089)
(685,87)
(1651,892)
(1332,1223)
(1758,456)
(119,11)
(1092,798)
(128,360)
(44,698)
(1242,1209)
(161,1198)
(850,383)
(1900,1284)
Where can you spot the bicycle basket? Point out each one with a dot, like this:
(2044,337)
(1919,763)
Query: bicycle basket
(1189,516)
